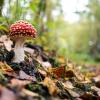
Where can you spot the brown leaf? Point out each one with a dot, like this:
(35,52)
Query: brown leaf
(6,69)
(42,72)
(53,90)
(68,85)
(58,72)
(70,73)
(23,75)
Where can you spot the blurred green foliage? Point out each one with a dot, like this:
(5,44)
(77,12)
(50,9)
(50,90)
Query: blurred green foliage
(78,41)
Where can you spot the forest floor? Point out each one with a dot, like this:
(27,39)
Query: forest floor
(43,76)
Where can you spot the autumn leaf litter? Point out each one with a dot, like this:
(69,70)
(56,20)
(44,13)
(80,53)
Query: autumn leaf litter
(44,77)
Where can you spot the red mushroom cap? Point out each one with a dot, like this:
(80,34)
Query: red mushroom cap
(22,29)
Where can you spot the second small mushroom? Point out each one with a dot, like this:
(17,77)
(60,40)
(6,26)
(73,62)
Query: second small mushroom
(19,32)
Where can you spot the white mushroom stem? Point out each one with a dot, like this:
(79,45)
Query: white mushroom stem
(19,50)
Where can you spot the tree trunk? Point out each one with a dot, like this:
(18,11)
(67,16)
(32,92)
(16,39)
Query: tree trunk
(1,6)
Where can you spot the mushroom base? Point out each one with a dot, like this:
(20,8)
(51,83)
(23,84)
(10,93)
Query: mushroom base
(19,50)
(19,55)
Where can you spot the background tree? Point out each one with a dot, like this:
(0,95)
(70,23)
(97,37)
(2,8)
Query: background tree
(78,40)
(1,6)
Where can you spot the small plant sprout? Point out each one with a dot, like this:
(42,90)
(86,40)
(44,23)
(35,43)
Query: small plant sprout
(19,32)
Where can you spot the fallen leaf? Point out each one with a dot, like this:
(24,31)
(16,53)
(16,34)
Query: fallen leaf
(45,64)
(89,96)
(6,41)
(53,89)
(96,89)
(42,72)
(72,93)
(6,94)
(16,82)
(6,69)
(62,72)
(23,75)
(27,92)
(68,85)
(70,73)
(97,78)
(58,72)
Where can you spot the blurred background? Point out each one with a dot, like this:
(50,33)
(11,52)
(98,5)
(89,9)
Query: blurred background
(71,28)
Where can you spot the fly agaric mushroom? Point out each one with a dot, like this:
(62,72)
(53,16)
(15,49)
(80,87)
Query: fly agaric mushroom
(19,32)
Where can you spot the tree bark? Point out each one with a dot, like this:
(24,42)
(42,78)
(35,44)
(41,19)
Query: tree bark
(1,6)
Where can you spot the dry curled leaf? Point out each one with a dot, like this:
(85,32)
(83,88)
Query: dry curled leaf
(53,90)
(97,78)
(70,73)
(58,72)
(6,69)
(73,93)
(6,41)
(23,75)
(45,64)
(62,71)
(42,72)
(96,89)
(68,85)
